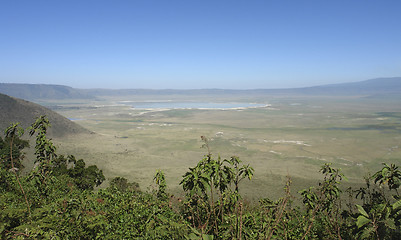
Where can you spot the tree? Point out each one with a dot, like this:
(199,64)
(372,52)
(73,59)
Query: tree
(160,180)
(122,184)
(45,150)
(86,178)
(214,179)
(15,132)
(11,147)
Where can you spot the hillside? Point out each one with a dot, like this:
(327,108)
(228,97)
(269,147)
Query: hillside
(41,91)
(18,110)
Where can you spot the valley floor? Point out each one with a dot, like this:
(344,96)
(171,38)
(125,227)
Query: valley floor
(291,136)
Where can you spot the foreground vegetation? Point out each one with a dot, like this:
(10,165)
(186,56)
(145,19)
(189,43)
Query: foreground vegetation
(58,199)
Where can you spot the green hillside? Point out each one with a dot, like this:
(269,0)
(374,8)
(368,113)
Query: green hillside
(18,110)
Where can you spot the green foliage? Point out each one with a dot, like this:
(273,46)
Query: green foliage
(45,151)
(212,190)
(85,178)
(13,134)
(65,206)
(11,147)
(122,184)
(379,217)
(389,175)
(161,183)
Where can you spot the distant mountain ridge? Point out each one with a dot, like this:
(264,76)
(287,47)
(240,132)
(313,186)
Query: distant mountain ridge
(18,110)
(41,91)
(378,86)
(368,87)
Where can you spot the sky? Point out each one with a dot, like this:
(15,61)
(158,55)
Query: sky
(193,44)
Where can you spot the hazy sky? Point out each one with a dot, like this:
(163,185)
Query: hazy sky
(198,44)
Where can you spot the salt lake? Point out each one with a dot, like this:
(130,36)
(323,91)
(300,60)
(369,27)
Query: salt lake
(191,105)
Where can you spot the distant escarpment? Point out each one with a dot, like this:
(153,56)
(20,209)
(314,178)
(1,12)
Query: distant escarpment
(18,110)
(373,88)
(378,87)
(42,91)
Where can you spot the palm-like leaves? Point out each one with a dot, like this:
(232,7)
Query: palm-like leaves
(211,178)
(196,181)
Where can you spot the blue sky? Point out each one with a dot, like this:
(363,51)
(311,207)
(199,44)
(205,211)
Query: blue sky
(191,44)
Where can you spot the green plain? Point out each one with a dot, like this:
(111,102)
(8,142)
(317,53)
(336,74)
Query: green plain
(293,137)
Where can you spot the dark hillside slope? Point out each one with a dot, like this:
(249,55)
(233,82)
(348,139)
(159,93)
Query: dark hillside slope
(41,91)
(18,110)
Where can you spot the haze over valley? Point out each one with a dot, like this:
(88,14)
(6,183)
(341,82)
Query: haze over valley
(133,133)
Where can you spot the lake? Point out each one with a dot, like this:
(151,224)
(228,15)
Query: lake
(190,105)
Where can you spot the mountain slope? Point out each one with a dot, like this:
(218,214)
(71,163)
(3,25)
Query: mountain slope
(41,91)
(18,110)
(377,86)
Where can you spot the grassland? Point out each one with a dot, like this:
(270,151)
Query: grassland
(294,136)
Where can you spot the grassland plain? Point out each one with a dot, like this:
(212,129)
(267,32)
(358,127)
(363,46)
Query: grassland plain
(294,136)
